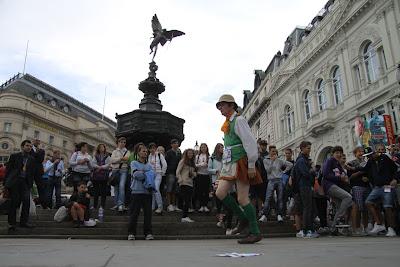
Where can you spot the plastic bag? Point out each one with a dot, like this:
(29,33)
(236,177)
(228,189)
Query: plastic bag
(61,214)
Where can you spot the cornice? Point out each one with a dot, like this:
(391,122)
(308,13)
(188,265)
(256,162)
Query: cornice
(326,44)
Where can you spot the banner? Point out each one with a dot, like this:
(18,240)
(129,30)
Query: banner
(389,129)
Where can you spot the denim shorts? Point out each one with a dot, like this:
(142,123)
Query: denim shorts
(170,183)
(378,195)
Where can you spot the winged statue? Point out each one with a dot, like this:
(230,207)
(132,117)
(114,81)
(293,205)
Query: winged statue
(160,35)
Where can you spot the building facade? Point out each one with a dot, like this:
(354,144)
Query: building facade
(340,67)
(32,109)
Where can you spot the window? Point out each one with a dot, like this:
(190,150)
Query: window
(370,62)
(65,144)
(4,146)
(258,129)
(358,76)
(7,127)
(307,105)
(394,117)
(36,135)
(321,95)
(51,140)
(379,110)
(289,113)
(3,159)
(337,86)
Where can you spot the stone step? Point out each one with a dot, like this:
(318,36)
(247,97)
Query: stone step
(125,217)
(201,226)
(158,229)
(140,237)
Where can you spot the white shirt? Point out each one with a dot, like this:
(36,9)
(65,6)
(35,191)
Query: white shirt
(249,142)
(158,163)
(202,164)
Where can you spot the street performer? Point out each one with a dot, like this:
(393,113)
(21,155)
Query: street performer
(238,166)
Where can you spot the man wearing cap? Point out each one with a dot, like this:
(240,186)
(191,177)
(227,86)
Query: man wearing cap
(381,171)
(240,156)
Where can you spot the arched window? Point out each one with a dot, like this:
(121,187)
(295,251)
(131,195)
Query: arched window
(307,105)
(337,86)
(289,114)
(321,95)
(370,62)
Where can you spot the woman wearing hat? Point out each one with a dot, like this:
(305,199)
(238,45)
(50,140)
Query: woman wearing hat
(238,166)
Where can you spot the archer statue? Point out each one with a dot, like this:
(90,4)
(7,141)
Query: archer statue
(160,35)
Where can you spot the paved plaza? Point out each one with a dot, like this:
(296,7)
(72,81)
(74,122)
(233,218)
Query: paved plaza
(275,252)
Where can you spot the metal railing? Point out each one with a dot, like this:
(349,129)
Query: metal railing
(15,77)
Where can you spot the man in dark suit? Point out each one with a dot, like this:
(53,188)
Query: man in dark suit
(38,154)
(21,171)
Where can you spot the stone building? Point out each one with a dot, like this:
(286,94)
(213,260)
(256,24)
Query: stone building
(30,109)
(341,66)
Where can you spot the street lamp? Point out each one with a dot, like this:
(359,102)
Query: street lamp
(196,147)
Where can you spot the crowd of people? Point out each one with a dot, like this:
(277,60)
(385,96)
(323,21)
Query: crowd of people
(241,179)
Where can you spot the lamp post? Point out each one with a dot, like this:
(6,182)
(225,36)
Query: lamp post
(196,148)
(396,99)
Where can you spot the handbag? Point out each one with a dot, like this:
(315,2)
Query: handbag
(114,176)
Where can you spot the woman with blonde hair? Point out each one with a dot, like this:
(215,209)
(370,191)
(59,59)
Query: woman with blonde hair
(185,173)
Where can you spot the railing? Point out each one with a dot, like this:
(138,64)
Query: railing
(15,77)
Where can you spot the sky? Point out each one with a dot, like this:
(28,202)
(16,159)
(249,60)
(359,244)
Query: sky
(82,47)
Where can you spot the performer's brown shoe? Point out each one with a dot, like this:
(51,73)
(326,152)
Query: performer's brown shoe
(240,227)
(250,239)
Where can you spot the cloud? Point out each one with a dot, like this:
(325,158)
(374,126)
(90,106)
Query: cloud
(81,47)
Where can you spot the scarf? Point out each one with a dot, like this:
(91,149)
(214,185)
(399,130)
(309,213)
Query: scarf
(225,126)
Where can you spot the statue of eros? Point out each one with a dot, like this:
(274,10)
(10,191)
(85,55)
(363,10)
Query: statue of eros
(160,35)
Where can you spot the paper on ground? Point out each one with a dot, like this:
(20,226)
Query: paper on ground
(238,255)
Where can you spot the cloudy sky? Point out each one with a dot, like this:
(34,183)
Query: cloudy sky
(83,46)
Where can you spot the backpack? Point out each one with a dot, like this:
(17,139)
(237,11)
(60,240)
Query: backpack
(149,181)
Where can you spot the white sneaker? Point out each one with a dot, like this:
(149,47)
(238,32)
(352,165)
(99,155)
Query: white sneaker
(158,211)
(186,220)
(377,228)
(280,219)
(190,210)
(131,237)
(300,234)
(149,237)
(114,208)
(177,209)
(228,232)
(220,224)
(390,232)
(369,227)
(263,219)
(311,234)
(205,209)
(120,208)
(170,208)
(201,209)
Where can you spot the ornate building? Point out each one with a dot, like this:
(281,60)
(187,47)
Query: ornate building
(340,67)
(32,109)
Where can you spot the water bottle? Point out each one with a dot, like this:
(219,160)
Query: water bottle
(101,214)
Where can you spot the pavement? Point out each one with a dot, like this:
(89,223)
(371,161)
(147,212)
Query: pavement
(282,252)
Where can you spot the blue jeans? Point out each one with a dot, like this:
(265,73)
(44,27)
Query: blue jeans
(120,190)
(273,184)
(157,198)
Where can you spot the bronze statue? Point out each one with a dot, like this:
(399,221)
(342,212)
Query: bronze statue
(160,35)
